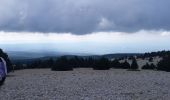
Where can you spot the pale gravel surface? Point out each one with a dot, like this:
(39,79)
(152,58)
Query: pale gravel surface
(86,84)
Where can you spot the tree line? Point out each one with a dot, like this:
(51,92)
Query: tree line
(102,63)
(64,63)
(163,64)
(154,54)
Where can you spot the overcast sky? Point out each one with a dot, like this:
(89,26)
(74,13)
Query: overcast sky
(85,26)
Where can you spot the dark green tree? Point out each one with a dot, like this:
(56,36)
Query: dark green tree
(101,64)
(164,64)
(147,66)
(151,59)
(62,64)
(125,65)
(152,66)
(115,64)
(134,65)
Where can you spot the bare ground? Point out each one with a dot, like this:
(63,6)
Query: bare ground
(86,84)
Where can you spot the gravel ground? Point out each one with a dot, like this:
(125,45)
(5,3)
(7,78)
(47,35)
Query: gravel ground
(86,84)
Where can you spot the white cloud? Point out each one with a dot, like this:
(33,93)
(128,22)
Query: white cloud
(165,33)
(105,24)
(99,42)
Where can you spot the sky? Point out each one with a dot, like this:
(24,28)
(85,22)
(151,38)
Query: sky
(85,26)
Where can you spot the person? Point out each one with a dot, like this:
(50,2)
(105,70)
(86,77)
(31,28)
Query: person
(3,70)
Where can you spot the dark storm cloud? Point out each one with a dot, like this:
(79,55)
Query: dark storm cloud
(84,16)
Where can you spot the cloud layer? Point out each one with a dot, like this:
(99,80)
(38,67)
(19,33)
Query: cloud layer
(84,16)
(96,43)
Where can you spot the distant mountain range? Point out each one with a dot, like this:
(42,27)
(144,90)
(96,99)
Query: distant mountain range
(21,56)
(32,55)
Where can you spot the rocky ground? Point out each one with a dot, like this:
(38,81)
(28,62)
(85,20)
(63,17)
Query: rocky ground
(86,84)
